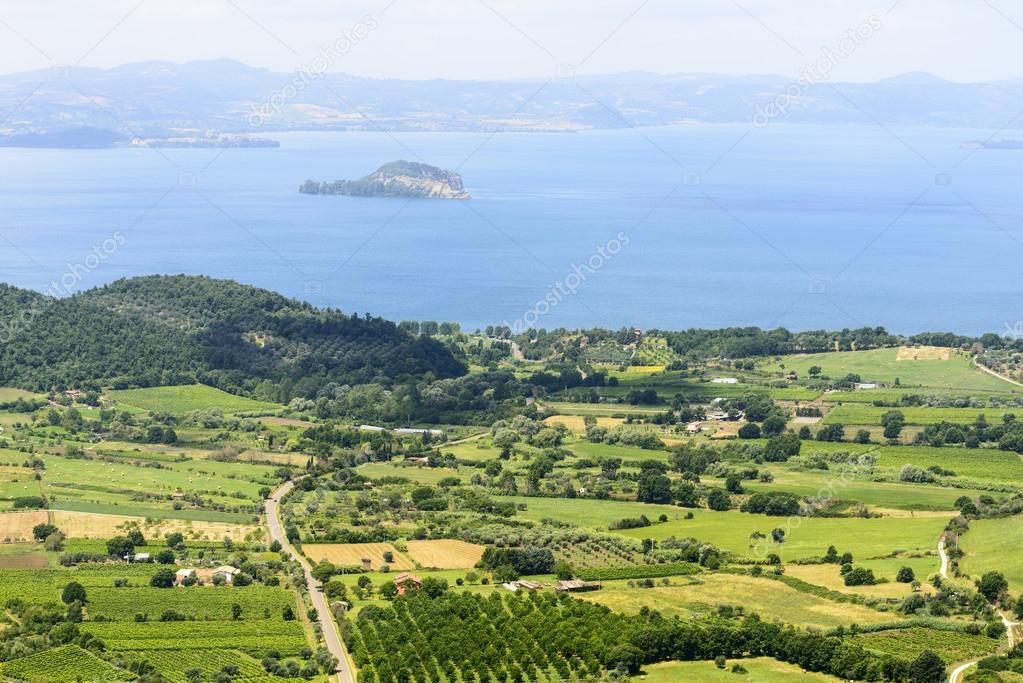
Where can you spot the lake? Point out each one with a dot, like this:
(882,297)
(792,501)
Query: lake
(688,226)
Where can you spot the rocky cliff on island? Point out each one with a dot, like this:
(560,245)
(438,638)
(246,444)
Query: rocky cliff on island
(396,179)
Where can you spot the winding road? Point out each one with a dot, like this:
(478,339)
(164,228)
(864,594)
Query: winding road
(327,625)
(957,673)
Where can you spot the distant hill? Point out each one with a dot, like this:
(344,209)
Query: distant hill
(396,179)
(156,330)
(161,99)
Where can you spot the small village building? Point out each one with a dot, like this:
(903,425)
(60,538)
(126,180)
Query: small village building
(142,557)
(367,564)
(576,586)
(860,386)
(228,572)
(694,428)
(182,575)
(403,582)
(724,380)
(529,585)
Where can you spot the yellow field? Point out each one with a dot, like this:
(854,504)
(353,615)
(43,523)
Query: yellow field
(297,459)
(17,526)
(91,525)
(923,353)
(445,554)
(575,423)
(10,394)
(771,599)
(351,554)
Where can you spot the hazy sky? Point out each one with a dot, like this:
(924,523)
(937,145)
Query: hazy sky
(964,40)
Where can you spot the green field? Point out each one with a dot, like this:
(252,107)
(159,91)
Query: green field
(602,409)
(860,488)
(861,414)
(993,545)
(415,473)
(909,643)
(970,463)
(63,664)
(805,536)
(880,365)
(591,513)
(759,670)
(178,400)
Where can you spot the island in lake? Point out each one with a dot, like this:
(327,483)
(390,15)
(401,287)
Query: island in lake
(396,179)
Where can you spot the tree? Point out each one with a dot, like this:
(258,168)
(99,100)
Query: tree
(175,539)
(163,578)
(288,613)
(686,495)
(862,436)
(120,547)
(774,425)
(73,592)
(136,537)
(859,576)
(41,531)
(433,587)
(324,570)
(563,570)
(54,542)
(993,586)
(654,488)
(750,430)
(781,447)
(718,500)
(905,575)
(893,421)
(236,611)
(388,590)
(165,556)
(927,668)
(831,432)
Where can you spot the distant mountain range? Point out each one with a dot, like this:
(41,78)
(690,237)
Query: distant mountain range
(161,99)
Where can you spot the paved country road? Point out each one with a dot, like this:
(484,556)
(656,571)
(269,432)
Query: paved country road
(329,628)
(1010,626)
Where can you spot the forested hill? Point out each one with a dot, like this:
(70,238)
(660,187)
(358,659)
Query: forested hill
(175,329)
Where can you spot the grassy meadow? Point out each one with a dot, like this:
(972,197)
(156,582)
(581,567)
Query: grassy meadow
(178,400)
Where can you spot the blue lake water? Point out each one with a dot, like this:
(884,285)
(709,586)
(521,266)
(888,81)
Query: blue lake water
(801,226)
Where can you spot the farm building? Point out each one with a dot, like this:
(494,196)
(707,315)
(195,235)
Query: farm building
(182,575)
(865,385)
(403,581)
(411,430)
(142,557)
(576,586)
(227,571)
(694,428)
(724,380)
